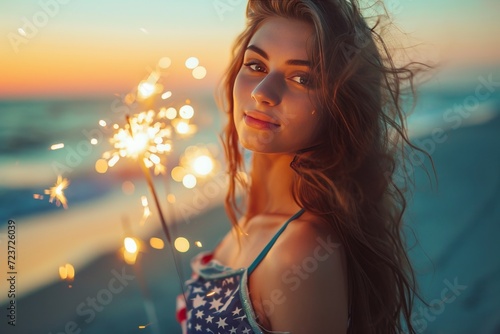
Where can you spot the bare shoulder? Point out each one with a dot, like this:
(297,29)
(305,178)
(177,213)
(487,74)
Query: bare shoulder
(304,237)
(306,280)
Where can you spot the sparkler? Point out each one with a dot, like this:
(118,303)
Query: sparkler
(147,137)
(57,192)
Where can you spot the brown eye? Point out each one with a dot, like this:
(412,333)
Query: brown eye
(303,80)
(255,67)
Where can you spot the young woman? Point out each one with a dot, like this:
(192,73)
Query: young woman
(315,246)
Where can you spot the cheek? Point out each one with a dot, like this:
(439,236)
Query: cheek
(239,89)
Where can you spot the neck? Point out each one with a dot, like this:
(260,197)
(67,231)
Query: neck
(271,188)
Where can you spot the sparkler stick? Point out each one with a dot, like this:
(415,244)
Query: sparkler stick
(141,156)
(151,187)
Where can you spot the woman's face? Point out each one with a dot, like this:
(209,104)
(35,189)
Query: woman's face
(273,91)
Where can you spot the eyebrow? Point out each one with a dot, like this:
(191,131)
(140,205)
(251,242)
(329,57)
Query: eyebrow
(261,52)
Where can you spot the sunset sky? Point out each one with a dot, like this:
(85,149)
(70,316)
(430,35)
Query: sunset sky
(75,48)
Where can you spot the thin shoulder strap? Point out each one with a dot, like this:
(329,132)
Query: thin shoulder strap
(266,249)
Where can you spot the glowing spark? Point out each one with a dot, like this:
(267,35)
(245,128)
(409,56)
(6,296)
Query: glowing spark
(146,89)
(144,326)
(198,243)
(93,141)
(38,196)
(57,146)
(144,138)
(57,192)
(210,293)
(113,160)
(147,212)
(102,123)
(130,250)
(130,245)
(166,95)
(67,272)
(21,32)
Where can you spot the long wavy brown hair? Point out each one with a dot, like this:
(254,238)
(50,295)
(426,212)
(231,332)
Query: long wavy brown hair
(348,179)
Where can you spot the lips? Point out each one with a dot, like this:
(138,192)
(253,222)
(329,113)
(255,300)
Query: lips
(259,120)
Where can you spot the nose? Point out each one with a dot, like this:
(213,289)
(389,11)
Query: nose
(269,91)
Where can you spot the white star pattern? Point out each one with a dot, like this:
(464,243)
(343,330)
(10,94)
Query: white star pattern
(198,301)
(198,290)
(220,311)
(241,318)
(216,290)
(216,304)
(221,323)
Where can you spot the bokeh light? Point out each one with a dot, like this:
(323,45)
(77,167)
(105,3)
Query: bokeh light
(203,165)
(189,181)
(130,245)
(146,89)
(164,62)
(200,72)
(182,127)
(192,62)
(67,272)
(156,243)
(101,166)
(171,198)
(57,146)
(186,111)
(171,113)
(166,95)
(181,244)
(128,187)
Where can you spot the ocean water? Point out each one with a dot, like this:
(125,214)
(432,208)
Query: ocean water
(28,166)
